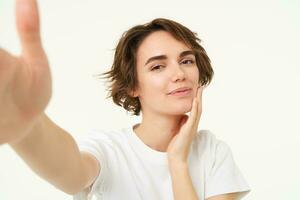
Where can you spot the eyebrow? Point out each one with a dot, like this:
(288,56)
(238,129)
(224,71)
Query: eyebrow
(163,57)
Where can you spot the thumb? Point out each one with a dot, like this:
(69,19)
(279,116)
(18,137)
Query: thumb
(27,20)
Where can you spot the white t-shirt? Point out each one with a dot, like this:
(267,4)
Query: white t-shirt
(131,170)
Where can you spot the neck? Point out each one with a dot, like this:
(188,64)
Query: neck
(157,131)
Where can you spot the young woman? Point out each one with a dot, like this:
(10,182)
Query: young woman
(159,70)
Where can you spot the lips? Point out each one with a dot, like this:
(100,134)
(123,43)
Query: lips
(182,89)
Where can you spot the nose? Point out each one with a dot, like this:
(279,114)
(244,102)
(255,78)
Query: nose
(179,73)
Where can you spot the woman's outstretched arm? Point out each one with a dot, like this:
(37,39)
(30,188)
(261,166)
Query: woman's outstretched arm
(25,90)
(52,153)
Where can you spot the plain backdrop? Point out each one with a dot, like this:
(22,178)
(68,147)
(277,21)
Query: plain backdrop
(252,102)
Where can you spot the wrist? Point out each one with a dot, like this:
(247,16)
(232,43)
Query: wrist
(176,165)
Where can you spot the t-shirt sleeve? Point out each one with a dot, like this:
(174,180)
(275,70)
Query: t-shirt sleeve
(225,176)
(96,145)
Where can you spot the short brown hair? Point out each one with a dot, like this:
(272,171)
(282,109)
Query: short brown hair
(123,73)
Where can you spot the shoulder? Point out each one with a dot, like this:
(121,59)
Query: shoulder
(210,147)
(103,138)
(207,140)
(222,173)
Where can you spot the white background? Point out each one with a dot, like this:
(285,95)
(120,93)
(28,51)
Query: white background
(252,103)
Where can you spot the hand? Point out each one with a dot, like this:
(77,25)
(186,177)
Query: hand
(25,81)
(179,146)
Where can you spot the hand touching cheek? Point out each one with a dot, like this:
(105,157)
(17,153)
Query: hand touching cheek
(179,146)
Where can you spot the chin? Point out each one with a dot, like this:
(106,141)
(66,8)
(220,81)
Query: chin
(181,109)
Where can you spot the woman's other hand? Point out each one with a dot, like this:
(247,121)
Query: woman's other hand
(178,148)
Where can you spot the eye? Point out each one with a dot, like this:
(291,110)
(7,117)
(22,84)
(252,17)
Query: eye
(188,61)
(156,67)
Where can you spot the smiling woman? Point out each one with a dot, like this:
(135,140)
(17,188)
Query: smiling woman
(160,70)
(151,47)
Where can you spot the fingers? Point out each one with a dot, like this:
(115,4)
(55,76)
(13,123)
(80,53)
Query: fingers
(196,111)
(27,20)
(7,62)
(193,114)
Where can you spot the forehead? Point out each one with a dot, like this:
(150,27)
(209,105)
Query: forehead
(160,43)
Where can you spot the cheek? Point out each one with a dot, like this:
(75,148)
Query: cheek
(156,83)
(152,87)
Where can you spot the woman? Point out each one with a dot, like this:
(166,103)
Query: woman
(159,70)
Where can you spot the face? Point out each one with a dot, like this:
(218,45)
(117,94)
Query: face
(163,65)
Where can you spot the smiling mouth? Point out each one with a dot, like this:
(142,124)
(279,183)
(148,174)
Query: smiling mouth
(181,93)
